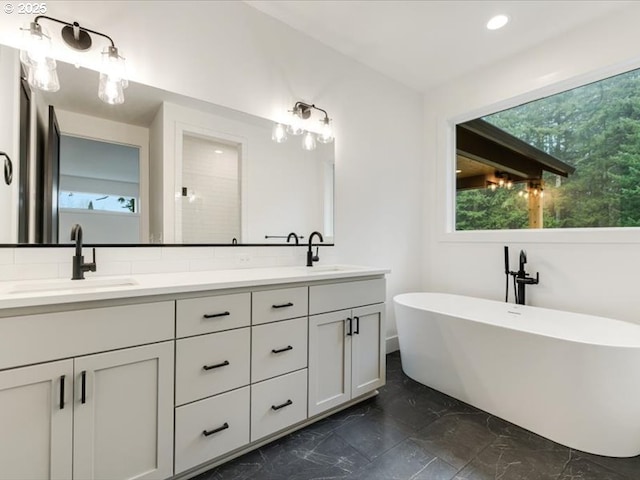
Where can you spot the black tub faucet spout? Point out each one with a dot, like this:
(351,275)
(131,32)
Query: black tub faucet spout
(520,278)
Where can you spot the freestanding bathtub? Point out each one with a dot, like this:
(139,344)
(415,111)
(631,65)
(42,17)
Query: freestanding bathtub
(572,378)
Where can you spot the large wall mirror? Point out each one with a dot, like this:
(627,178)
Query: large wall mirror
(159,169)
(570,160)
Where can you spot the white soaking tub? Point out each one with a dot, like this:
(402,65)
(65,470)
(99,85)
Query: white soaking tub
(572,378)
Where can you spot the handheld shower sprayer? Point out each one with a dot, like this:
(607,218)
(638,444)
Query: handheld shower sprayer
(506,272)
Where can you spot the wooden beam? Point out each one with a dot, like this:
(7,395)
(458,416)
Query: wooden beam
(498,136)
(476,146)
(536,202)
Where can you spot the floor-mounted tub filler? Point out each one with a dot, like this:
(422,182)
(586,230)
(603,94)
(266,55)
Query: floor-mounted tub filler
(572,378)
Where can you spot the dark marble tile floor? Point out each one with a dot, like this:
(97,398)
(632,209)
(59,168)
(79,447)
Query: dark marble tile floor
(412,432)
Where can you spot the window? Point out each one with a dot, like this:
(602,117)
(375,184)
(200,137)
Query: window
(571,160)
(97,201)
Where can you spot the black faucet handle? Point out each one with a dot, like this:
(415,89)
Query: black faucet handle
(93,265)
(527,280)
(316,257)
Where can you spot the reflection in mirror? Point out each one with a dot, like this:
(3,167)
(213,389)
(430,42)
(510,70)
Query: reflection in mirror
(99,189)
(159,169)
(210,201)
(570,160)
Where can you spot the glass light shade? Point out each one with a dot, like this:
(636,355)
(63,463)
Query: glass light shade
(113,78)
(36,45)
(44,76)
(326,131)
(110,91)
(37,60)
(295,123)
(279,133)
(309,141)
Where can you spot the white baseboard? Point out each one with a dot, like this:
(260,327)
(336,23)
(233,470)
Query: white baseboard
(392,344)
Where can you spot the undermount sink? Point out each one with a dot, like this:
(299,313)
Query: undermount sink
(330,268)
(71,285)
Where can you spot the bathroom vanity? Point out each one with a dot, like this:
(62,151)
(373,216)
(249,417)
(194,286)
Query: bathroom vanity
(156,376)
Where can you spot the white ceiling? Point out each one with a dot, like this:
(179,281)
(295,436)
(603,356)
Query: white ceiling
(423,44)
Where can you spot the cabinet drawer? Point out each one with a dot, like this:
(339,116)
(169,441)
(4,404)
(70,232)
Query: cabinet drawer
(196,316)
(228,413)
(43,337)
(339,296)
(278,403)
(210,364)
(277,348)
(274,305)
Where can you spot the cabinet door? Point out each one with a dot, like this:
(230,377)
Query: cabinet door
(367,349)
(123,425)
(36,421)
(329,361)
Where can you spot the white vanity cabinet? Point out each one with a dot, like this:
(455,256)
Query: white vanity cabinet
(92,415)
(279,360)
(123,414)
(36,422)
(168,386)
(212,377)
(346,347)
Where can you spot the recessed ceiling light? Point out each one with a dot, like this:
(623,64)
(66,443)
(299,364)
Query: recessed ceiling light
(219,152)
(458,171)
(497,22)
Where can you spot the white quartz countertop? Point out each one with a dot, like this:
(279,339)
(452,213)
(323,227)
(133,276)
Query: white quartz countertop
(22,294)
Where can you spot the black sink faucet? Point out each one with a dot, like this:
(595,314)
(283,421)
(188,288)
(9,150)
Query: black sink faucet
(310,256)
(79,267)
(295,237)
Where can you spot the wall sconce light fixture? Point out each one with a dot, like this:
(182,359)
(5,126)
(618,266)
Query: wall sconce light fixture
(41,66)
(301,112)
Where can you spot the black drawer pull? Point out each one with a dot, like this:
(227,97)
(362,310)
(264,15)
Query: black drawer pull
(283,305)
(280,350)
(350,328)
(357,330)
(285,404)
(83,389)
(217,365)
(206,433)
(216,315)
(62,392)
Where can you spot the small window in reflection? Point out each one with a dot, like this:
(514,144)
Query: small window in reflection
(97,201)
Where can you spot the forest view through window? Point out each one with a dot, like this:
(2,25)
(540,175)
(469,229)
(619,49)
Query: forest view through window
(571,160)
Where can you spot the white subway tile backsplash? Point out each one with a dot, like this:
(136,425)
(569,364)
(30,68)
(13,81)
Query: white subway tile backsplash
(184,253)
(111,268)
(40,263)
(168,266)
(43,255)
(235,252)
(28,271)
(116,254)
(7,256)
(213,264)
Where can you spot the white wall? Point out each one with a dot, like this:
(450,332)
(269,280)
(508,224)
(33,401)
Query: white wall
(230,54)
(592,271)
